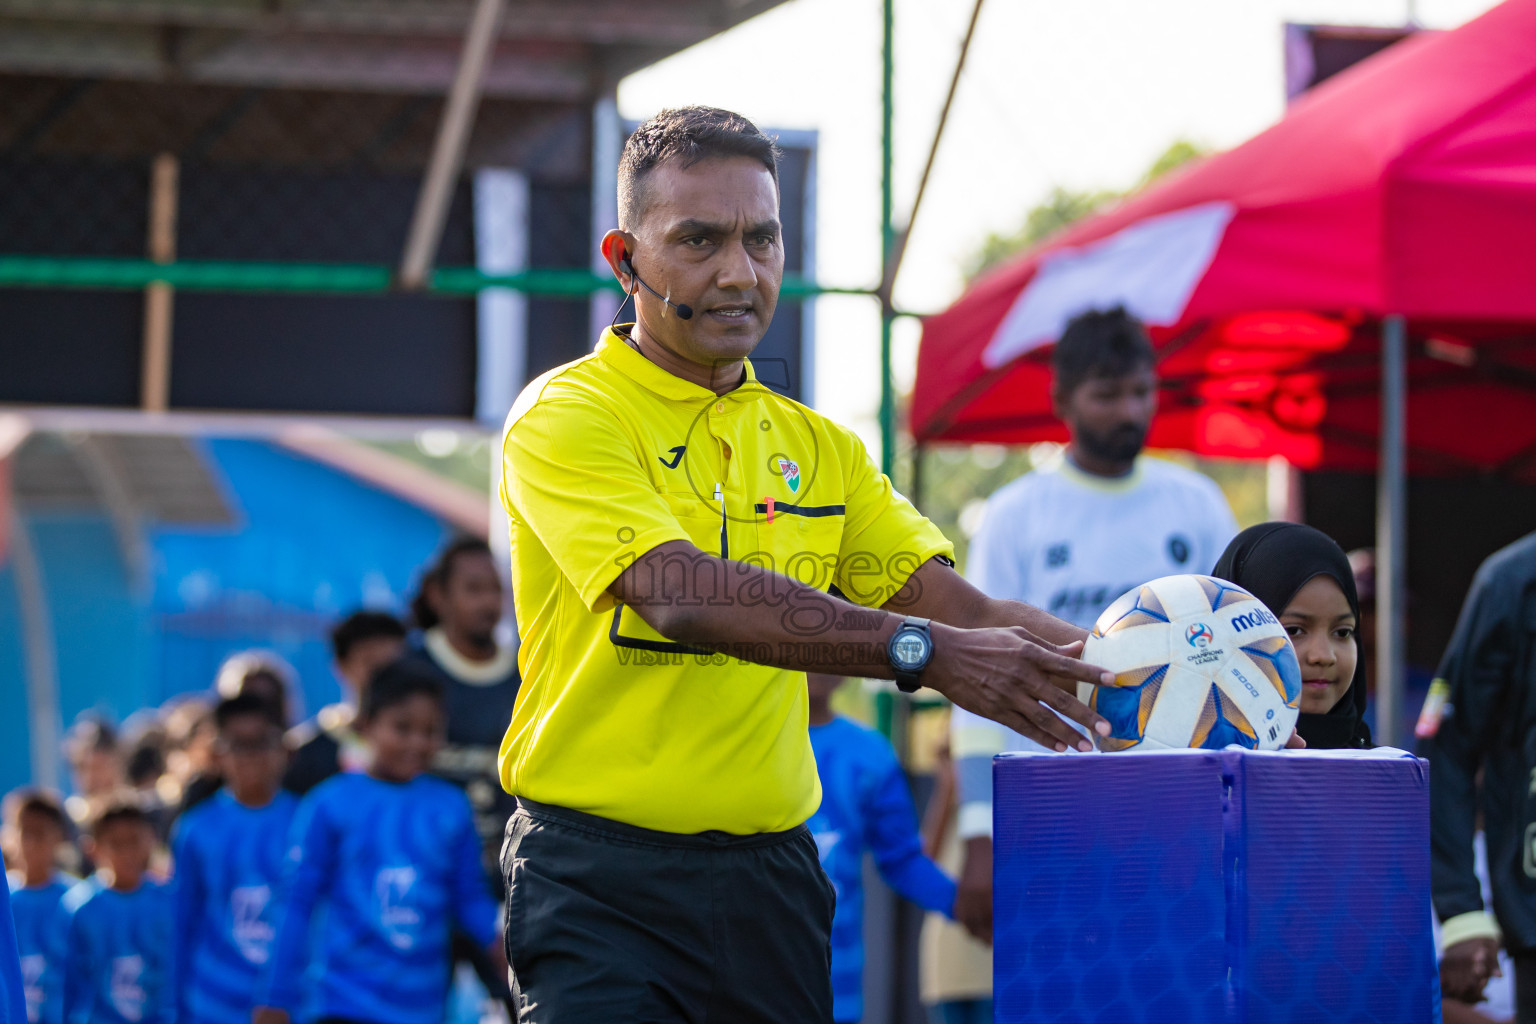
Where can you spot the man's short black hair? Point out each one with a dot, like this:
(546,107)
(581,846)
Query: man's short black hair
(1100,343)
(242,704)
(397,682)
(422,612)
(361,626)
(33,800)
(687,135)
(124,807)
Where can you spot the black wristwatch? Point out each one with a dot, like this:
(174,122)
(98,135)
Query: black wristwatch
(910,649)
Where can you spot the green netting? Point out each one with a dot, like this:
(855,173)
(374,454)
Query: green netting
(344,278)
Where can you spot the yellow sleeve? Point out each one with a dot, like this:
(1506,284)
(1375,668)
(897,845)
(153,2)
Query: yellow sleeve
(885,538)
(571,474)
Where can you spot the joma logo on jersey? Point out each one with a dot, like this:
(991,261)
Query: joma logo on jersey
(1257,617)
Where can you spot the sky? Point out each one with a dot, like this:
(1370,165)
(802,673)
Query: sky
(1081,95)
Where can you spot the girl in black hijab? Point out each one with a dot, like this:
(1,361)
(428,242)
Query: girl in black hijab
(1304,578)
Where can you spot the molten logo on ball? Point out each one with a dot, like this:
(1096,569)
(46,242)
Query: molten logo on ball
(1199,635)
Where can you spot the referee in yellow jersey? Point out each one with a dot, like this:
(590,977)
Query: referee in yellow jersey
(685,545)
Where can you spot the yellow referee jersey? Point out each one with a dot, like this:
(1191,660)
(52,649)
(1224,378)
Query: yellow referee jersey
(610,456)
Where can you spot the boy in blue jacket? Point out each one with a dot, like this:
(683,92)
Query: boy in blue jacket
(865,805)
(37,901)
(118,966)
(393,858)
(230,853)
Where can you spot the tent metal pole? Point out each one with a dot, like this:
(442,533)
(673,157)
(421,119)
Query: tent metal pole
(885,702)
(899,243)
(887,236)
(1391,532)
(916,493)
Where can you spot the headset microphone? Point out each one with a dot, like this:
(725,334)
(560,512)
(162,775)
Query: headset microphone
(684,311)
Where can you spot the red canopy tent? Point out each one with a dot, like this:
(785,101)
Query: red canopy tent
(1379,241)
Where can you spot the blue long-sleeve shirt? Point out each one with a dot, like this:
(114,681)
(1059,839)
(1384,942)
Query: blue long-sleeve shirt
(119,967)
(391,865)
(865,805)
(229,867)
(41,922)
(13,1001)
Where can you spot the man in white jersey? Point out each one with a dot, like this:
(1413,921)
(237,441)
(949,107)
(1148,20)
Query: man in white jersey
(1074,535)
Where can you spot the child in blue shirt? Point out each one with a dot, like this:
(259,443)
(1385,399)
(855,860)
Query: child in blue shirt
(865,805)
(37,889)
(118,966)
(229,853)
(393,858)
(13,1000)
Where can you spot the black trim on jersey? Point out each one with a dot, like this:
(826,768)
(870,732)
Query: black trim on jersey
(659,646)
(809,511)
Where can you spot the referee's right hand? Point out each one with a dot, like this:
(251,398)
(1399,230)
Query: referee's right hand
(1015,678)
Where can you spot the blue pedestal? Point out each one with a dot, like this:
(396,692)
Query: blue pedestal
(1200,887)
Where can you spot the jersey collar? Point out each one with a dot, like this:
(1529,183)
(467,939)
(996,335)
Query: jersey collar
(616,352)
(1106,485)
(475,673)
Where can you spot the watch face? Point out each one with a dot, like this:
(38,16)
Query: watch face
(909,650)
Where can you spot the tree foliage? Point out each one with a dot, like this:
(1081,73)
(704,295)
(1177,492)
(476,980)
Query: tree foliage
(1065,206)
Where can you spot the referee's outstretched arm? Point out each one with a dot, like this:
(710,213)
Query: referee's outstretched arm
(1002,659)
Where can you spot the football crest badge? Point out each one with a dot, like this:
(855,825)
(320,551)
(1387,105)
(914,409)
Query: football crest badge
(791,472)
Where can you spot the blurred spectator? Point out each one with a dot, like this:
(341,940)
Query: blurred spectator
(189,739)
(13,999)
(865,806)
(95,766)
(230,853)
(264,674)
(362,643)
(36,830)
(144,744)
(392,857)
(117,967)
(1075,534)
(955,979)
(458,610)
(259,674)
(1498,1006)
(145,764)
(1481,715)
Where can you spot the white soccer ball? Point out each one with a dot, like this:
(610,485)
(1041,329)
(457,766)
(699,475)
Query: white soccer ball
(1198,662)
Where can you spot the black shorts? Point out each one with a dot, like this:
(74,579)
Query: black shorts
(607,922)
